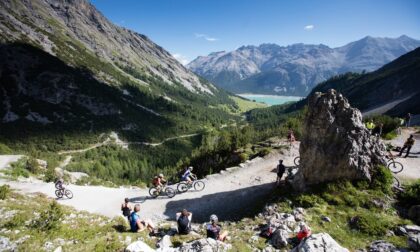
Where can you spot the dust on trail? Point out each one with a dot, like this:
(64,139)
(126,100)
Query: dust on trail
(412,162)
(230,194)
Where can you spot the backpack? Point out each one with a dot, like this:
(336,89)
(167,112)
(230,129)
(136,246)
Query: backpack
(184,225)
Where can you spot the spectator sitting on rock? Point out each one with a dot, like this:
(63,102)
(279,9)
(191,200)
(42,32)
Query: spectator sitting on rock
(183,219)
(138,225)
(213,230)
(304,232)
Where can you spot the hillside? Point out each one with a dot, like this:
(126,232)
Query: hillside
(396,81)
(297,68)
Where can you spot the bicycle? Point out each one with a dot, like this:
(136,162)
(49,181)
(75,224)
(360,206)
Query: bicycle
(154,192)
(184,186)
(296,161)
(396,182)
(60,193)
(393,166)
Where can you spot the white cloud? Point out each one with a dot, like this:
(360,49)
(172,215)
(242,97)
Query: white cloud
(309,27)
(206,37)
(181,58)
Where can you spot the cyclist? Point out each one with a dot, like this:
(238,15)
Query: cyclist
(59,184)
(159,182)
(187,175)
(291,136)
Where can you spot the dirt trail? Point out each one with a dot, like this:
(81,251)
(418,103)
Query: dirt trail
(227,194)
(114,138)
(412,162)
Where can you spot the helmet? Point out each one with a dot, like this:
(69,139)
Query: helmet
(161,175)
(213,218)
(190,168)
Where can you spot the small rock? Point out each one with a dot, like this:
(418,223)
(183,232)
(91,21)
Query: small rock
(279,238)
(400,231)
(127,240)
(59,249)
(165,242)
(6,245)
(48,246)
(139,246)
(381,246)
(412,229)
(325,218)
(414,242)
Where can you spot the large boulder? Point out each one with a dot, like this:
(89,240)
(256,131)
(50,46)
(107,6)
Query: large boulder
(335,143)
(279,238)
(319,243)
(414,242)
(382,246)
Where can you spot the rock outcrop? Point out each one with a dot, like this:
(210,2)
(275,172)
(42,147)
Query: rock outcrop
(335,143)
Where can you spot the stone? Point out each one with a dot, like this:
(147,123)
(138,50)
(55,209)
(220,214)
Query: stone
(325,218)
(414,242)
(205,245)
(412,229)
(48,246)
(319,243)
(58,249)
(335,144)
(414,214)
(139,246)
(381,246)
(165,242)
(279,238)
(6,244)
(400,231)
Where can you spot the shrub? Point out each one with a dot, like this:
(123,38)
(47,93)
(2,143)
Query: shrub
(307,201)
(411,194)
(382,179)
(4,192)
(243,157)
(50,175)
(371,224)
(50,218)
(264,152)
(32,166)
(4,149)
(18,220)
(389,123)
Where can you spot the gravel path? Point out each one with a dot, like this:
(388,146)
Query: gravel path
(230,194)
(412,162)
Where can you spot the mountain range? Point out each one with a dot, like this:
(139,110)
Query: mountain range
(63,65)
(297,68)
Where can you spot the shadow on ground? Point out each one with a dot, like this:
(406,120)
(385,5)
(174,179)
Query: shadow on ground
(228,206)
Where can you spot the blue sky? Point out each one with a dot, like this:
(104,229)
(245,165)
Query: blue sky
(190,28)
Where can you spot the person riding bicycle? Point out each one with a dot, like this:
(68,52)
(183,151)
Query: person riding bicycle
(159,182)
(188,176)
(290,136)
(59,184)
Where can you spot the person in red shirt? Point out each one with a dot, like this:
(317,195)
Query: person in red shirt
(159,182)
(304,232)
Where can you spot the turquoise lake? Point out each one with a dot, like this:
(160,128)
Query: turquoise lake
(271,99)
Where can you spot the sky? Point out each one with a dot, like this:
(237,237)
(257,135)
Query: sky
(191,28)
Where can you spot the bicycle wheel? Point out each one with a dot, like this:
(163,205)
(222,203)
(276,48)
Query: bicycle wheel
(395,167)
(199,185)
(396,182)
(296,161)
(153,192)
(170,192)
(68,194)
(59,194)
(182,187)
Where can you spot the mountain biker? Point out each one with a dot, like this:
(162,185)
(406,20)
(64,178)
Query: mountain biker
(187,175)
(138,225)
(159,182)
(407,145)
(183,219)
(126,208)
(290,136)
(213,230)
(59,184)
(280,171)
